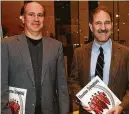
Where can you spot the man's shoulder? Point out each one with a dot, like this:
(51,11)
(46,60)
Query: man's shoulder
(120,46)
(51,40)
(10,39)
(85,47)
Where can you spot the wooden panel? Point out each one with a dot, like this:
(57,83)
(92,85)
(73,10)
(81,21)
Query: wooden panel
(10,16)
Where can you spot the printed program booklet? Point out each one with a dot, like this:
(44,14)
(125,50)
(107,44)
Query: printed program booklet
(96,97)
(17,100)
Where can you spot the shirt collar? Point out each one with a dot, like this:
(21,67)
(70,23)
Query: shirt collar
(106,47)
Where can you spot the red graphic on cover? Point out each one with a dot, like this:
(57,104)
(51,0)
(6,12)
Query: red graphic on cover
(102,96)
(15,107)
(98,103)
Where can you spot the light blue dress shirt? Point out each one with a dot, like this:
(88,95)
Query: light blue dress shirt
(107,49)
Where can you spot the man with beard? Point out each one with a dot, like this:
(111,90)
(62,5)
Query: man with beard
(103,57)
(33,64)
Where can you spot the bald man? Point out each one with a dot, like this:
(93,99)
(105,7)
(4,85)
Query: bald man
(33,72)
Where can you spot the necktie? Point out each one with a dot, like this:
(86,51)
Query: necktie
(100,64)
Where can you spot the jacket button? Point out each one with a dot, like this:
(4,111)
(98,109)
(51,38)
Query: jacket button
(32,104)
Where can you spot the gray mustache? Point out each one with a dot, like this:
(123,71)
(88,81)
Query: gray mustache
(103,31)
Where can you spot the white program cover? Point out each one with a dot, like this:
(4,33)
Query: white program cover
(17,100)
(97,97)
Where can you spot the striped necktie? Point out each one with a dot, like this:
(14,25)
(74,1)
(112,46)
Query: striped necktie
(100,64)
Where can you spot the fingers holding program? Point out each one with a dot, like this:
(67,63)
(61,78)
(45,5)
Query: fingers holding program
(88,109)
(116,110)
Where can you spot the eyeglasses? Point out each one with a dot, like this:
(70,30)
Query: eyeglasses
(33,15)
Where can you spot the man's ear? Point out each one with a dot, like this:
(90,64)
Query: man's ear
(22,18)
(91,27)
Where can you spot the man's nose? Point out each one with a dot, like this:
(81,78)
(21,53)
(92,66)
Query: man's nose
(36,18)
(103,26)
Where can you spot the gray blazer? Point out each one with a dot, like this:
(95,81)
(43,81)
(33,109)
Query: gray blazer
(17,72)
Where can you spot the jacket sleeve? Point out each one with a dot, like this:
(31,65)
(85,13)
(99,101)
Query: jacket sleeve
(74,79)
(4,78)
(63,96)
(125,100)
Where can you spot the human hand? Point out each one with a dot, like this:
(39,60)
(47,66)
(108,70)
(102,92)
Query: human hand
(116,110)
(86,108)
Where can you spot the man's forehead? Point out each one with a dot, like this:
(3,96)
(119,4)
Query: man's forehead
(34,6)
(101,15)
(101,12)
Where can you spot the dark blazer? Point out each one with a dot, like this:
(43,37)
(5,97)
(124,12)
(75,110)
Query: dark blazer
(17,71)
(119,71)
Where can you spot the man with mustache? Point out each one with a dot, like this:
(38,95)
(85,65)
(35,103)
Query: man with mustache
(35,63)
(114,66)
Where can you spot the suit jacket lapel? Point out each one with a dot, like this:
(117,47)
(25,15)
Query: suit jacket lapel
(116,55)
(45,55)
(23,47)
